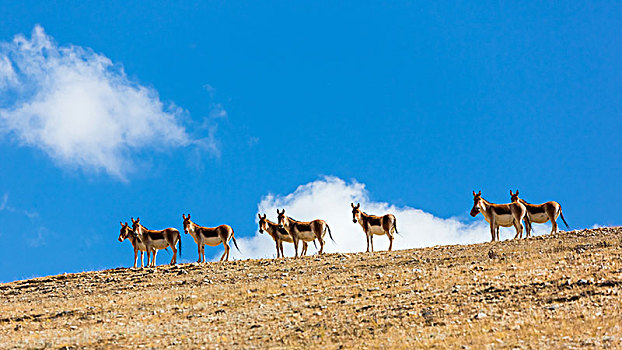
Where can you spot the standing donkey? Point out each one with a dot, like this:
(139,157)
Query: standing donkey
(156,240)
(127,233)
(306,231)
(540,213)
(212,236)
(505,215)
(279,235)
(374,225)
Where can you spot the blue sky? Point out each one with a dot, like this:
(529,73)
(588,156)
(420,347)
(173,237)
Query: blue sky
(209,108)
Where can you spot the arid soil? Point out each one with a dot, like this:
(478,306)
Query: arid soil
(553,291)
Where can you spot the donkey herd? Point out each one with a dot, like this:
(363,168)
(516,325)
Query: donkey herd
(293,231)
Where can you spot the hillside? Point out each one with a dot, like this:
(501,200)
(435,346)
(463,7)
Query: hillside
(553,291)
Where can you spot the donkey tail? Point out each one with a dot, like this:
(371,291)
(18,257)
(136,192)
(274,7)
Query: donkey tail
(234,241)
(179,243)
(329,234)
(395,226)
(562,215)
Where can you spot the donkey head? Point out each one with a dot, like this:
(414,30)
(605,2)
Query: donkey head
(356,211)
(188,225)
(126,231)
(135,225)
(263,225)
(281,215)
(514,196)
(477,199)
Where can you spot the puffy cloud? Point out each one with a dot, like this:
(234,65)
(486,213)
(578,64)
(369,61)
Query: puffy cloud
(329,198)
(80,108)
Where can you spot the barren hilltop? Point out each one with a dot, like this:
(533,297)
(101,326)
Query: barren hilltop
(553,291)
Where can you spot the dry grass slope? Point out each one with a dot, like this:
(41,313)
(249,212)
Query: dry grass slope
(556,291)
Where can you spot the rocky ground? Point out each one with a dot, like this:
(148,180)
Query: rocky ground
(553,291)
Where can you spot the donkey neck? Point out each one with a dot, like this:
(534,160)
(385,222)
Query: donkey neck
(486,209)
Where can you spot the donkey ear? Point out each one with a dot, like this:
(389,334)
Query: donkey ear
(183,216)
(352,204)
(121,222)
(126,224)
(133,221)
(188,216)
(517,192)
(479,193)
(265,216)
(137,219)
(511,193)
(259,215)
(358,205)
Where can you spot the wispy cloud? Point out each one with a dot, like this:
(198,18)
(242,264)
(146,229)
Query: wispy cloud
(5,202)
(329,198)
(36,234)
(81,109)
(39,237)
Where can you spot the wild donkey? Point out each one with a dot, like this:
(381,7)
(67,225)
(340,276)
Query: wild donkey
(505,215)
(540,213)
(212,236)
(156,240)
(305,231)
(127,233)
(279,235)
(374,225)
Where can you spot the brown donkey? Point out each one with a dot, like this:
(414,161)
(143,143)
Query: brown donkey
(374,225)
(212,236)
(156,240)
(541,213)
(279,235)
(305,231)
(127,233)
(505,215)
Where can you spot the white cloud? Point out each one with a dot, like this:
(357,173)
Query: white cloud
(7,74)
(5,202)
(329,198)
(81,109)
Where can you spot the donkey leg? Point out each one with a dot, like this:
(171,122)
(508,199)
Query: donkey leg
(371,241)
(492,229)
(281,247)
(304,248)
(153,259)
(136,256)
(295,246)
(390,242)
(148,257)
(174,258)
(225,252)
(278,253)
(519,229)
(553,224)
(367,236)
